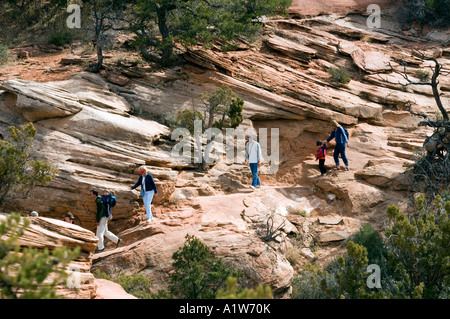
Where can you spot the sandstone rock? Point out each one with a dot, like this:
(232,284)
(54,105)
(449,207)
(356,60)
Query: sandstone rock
(118,79)
(333,236)
(71,60)
(329,220)
(290,48)
(371,61)
(356,197)
(107,289)
(380,175)
(307,253)
(40,101)
(24,54)
(304,8)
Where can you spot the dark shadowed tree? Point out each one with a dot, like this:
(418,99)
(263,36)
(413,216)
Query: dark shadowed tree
(162,24)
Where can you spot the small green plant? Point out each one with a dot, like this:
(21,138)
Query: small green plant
(339,74)
(423,76)
(297,210)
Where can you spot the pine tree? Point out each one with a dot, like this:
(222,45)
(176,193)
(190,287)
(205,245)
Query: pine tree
(19,170)
(198,274)
(161,24)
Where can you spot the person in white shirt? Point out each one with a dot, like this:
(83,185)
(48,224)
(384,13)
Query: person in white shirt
(148,190)
(253,156)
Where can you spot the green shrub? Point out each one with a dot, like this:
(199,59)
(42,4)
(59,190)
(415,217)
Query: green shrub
(339,75)
(368,237)
(418,246)
(232,291)
(137,285)
(60,38)
(314,283)
(198,274)
(433,12)
(423,76)
(413,258)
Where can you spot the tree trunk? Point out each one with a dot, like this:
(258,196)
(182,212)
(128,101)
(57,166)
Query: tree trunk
(167,57)
(99,63)
(434,85)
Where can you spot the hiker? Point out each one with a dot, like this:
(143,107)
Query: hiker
(69,218)
(102,224)
(253,157)
(148,190)
(340,135)
(320,156)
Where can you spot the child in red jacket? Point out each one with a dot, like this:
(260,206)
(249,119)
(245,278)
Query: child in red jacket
(320,156)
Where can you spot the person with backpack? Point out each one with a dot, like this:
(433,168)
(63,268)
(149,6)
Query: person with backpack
(102,224)
(340,134)
(320,156)
(148,190)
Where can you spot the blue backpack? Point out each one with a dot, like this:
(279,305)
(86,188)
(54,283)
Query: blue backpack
(112,200)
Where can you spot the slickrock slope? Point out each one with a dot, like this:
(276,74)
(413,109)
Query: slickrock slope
(99,133)
(305,8)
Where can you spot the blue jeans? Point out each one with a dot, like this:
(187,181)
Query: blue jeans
(254,169)
(340,149)
(148,196)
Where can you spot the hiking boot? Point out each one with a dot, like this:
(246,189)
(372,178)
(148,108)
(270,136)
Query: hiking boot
(99,250)
(118,242)
(253,187)
(346,169)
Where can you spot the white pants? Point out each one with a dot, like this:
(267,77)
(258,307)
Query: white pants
(148,197)
(102,231)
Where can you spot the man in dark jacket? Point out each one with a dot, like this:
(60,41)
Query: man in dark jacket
(148,190)
(102,224)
